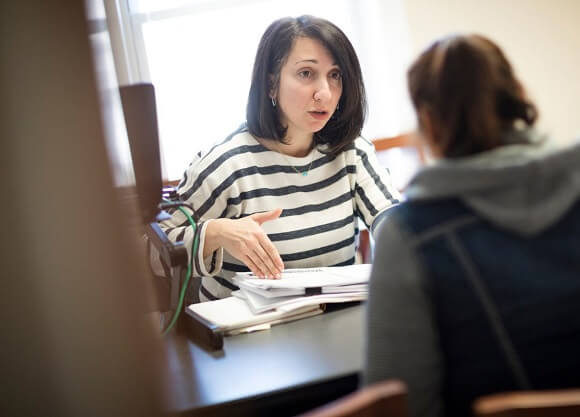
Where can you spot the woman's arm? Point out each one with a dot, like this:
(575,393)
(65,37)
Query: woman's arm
(179,229)
(243,238)
(374,189)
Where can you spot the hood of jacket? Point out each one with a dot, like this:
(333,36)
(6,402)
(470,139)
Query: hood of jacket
(523,188)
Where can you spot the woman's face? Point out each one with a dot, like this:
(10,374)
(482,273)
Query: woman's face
(309,89)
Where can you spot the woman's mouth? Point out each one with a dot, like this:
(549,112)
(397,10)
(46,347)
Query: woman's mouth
(319,115)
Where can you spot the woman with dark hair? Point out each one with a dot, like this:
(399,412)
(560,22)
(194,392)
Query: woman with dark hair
(287,188)
(475,287)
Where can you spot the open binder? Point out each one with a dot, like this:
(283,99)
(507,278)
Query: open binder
(232,315)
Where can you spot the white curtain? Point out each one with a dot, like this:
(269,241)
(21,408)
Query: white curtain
(199,56)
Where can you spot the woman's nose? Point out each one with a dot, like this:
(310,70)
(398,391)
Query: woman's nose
(323,92)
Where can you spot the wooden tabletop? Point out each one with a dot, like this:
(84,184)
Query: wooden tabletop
(287,369)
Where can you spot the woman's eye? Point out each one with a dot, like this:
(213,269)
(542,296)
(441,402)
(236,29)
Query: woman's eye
(305,74)
(336,75)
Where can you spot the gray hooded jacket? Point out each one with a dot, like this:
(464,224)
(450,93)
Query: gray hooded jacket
(521,188)
(473,233)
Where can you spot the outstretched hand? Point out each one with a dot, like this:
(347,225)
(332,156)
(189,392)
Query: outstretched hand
(245,240)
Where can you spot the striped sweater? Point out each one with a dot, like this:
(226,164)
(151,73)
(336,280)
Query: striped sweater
(319,222)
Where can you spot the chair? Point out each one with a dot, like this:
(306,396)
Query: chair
(557,403)
(403,156)
(387,398)
(139,108)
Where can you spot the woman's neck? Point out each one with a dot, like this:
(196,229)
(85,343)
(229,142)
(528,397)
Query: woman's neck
(293,146)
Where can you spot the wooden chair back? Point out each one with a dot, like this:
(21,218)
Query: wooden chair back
(385,399)
(404,140)
(402,155)
(557,403)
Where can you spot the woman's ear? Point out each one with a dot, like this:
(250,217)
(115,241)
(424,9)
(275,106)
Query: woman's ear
(273,87)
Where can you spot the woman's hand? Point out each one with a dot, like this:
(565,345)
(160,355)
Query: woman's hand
(245,240)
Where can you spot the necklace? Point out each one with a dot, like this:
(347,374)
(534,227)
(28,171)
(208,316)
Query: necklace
(303,173)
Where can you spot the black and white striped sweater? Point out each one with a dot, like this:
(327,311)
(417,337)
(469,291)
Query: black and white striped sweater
(319,221)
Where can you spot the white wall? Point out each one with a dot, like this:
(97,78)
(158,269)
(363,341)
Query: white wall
(540,37)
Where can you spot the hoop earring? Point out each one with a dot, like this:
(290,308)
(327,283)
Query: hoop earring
(273,101)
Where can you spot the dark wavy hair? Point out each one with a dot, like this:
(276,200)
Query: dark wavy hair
(263,119)
(468,87)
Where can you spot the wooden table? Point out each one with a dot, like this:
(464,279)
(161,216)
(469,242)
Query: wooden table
(283,371)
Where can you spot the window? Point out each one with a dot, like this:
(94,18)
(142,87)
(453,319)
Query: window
(199,55)
(113,121)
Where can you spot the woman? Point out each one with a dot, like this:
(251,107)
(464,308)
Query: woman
(476,287)
(287,188)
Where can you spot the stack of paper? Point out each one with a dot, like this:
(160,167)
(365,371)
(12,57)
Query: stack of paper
(299,293)
(302,287)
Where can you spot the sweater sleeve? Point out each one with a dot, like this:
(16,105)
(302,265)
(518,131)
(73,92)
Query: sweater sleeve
(374,189)
(196,188)
(401,336)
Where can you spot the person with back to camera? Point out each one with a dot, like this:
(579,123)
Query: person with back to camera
(475,287)
(287,188)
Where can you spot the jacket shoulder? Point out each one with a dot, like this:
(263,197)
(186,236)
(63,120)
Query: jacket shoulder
(419,216)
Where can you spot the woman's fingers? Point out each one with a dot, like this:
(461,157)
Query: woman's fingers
(259,266)
(246,240)
(272,252)
(266,263)
(252,265)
